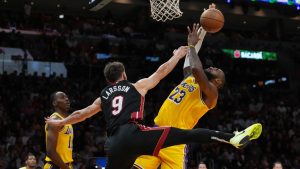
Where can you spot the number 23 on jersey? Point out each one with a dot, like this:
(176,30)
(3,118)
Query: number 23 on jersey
(177,96)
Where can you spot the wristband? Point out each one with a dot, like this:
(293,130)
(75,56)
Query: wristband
(191,46)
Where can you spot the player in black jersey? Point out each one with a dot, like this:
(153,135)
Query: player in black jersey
(122,103)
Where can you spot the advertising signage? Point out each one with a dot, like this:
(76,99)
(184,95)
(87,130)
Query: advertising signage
(247,54)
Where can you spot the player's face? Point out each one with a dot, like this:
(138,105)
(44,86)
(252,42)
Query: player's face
(62,101)
(202,166)
(31,161)
(277,166)
(217,74)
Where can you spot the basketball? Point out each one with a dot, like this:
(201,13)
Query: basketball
(212,20)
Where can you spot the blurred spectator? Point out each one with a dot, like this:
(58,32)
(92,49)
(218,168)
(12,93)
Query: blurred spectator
(27,9)
(277,165)
(202,165)
(30,162)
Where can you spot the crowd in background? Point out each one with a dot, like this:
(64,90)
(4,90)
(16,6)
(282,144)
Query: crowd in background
(24,99)
(77,39)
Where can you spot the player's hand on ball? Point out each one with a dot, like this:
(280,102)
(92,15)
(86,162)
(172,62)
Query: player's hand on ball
(212,5)
(193,37)
(181,51)
(212,19)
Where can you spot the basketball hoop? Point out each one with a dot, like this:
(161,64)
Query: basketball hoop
(162,10)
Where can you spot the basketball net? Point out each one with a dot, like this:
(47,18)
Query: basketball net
(162,10)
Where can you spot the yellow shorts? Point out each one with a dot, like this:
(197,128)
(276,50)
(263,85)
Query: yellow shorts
(53,166)
(169,158)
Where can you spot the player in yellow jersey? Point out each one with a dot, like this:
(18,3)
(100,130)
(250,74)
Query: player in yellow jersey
(59,140)
(185,105)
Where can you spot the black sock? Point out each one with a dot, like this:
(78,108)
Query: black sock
(221,136)
(203,136)
(206,136)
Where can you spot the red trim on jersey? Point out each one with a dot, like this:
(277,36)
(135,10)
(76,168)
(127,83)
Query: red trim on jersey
(139,114)
(162,138)
(133,115)
(161,141)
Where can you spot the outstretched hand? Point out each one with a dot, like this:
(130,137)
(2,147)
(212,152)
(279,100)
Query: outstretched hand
(181,51)
(53,122)
(193,37)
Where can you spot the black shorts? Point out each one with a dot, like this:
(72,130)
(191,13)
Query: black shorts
(132,140)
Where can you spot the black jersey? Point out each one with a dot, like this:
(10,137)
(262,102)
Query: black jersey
(121,103)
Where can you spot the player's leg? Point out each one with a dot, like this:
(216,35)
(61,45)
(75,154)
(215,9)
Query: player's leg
(150,140)
(147,162)
(132,140)
(239,139)
(129,142)
(174,157)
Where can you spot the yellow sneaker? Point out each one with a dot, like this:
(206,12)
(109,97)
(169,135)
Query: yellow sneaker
(242,138)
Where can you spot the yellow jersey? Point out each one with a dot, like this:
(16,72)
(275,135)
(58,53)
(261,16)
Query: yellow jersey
(183,107)
(64,147)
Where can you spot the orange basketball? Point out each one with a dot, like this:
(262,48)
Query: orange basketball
(212,20)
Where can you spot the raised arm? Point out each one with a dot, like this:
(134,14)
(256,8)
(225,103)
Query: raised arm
(78,115)
(146,84)
(208,88)
(186,67)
